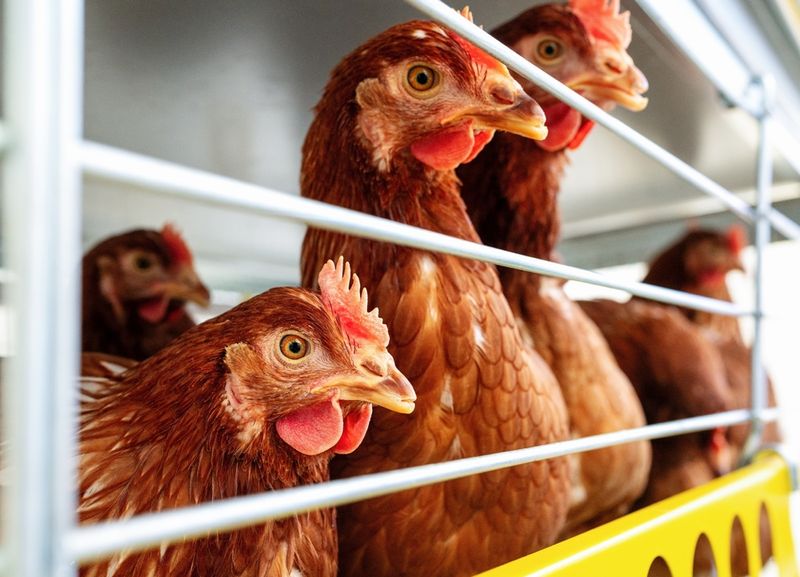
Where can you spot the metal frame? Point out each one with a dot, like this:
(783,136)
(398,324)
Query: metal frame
(42,202)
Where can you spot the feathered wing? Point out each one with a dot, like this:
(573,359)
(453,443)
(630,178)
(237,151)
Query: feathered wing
(479,390)
(677,371)
(599,398)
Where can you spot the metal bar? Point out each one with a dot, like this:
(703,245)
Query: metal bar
(108,162)
(41,228)
(145,531)
(68,260)
(3,137)
(762,236)
(692,32)
(450,18)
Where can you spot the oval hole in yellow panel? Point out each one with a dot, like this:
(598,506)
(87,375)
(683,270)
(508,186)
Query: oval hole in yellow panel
(765,532)
(738,549)
(704,563)
(659,568)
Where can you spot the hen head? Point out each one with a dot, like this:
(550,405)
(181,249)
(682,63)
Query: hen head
(418,90)
(311,367)
(700,260)
(145,273)
(584,45)
(708,255)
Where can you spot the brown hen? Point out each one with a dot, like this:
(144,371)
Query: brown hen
(255,400)
(677,373)
(135,288)
(699,263)
(397,116)
(511,193)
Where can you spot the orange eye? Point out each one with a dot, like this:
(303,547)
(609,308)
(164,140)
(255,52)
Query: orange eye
(294,347)
(549,50)
(422,78)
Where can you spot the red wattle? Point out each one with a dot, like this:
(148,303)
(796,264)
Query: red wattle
(563,126)
(482,138)
(175,315)
(445,149)
(583,132)
(355,428)
(711,277)
(153,310)
(312,430)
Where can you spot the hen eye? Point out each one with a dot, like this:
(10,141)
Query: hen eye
(143,262)
(294,347)
(422,78)
(549,50)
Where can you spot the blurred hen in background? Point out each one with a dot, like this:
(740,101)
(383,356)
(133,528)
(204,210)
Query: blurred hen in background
(135,289)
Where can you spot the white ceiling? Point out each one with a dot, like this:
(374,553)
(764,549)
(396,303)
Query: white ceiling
(228,87)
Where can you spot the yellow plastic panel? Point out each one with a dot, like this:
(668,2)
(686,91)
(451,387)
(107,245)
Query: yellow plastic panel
(670,529)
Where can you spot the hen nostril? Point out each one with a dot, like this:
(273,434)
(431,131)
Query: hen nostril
(502,94)
(373,367)
(614,66)
(529,107)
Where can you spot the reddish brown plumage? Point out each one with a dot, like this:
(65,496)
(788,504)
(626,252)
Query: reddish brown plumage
(511,193)
(199,421)
(480,389)
(677,373)
(698,263)
(135,286)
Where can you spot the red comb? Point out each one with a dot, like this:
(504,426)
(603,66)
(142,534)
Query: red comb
(474,52)
(602,20)
(737,238)
(176,246)
(349,304)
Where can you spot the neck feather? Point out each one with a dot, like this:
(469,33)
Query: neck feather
(511,193)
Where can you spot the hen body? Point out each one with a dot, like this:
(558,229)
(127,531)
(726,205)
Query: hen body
(698,263)
(479,388)
(511,193)
(678,373)
(213,415)
(135,286)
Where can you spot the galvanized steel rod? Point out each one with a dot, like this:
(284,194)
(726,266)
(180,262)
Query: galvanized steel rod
(42,231)
(154,174)
(145,531)
(3,137)
(68,199)
(450,18)
(762,236)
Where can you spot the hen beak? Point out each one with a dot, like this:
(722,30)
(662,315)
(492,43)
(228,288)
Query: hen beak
(391,390)
(188,287)
(736,263)
(508,108)
(619,83)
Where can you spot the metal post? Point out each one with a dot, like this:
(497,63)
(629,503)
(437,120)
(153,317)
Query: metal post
(41,210)
(762,237)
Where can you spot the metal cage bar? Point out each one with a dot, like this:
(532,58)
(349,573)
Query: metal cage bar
(166,177)
(143,531)
(44,55)
(762,235)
